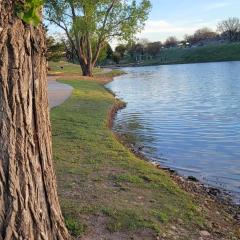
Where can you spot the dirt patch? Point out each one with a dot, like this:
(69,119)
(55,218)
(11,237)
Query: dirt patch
(97,229)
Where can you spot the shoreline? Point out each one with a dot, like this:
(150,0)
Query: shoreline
(97,167)
(119,66)
(189,184)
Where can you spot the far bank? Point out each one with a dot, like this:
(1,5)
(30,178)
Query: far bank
(209,53)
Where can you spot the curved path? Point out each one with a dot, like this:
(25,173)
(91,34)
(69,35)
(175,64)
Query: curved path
(58,93)
(106,70)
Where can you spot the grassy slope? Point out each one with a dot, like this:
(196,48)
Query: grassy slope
(211,53)
(225,52)
(108,193)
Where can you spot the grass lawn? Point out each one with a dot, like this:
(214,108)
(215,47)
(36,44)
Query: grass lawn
(66,67)
(108,193)
(70,70)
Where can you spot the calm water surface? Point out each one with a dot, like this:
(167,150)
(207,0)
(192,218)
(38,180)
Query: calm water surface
(187,117)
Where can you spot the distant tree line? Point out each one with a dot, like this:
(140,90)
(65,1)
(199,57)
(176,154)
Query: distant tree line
(227,31)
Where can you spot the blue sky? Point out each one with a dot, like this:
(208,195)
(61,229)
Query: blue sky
(180,17)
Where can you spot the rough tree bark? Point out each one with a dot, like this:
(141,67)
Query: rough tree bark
(29,207)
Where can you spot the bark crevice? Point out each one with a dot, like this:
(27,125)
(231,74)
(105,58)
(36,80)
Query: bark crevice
(29,207)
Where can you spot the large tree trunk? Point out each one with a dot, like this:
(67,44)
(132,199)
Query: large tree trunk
(87,69)
(29,207)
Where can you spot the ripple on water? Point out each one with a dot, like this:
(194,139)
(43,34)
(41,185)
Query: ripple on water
(187,118)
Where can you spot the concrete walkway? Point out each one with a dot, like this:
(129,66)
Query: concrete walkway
(58,93)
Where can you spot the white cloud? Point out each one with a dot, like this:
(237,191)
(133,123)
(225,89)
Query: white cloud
(161,26)
(159,30)
(218,5)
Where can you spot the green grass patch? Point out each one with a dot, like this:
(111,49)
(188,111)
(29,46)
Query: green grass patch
(75,227)
(128,178)
(67,67)
(209,53)
(63,67)
(127,220)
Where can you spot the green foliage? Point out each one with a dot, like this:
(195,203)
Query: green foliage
(116,57)
(163,217)
(29,11)
(121,49)
(74,227)
(55,49)
(105,53)
(128,178)
(126,220)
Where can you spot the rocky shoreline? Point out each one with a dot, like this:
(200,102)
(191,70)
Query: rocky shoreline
(190,183)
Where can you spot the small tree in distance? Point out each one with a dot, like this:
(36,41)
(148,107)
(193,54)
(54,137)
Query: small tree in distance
(200,35)
(203,34)
(171,42)
(153,49)
(121,49)
(230,27)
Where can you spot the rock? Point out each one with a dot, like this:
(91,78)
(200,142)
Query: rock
(180,221)
(140,148)
(173,228)
(237,217)
(193,179)
(167,169)
(214,191)
(205,234)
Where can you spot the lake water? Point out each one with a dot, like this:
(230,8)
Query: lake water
(187,117)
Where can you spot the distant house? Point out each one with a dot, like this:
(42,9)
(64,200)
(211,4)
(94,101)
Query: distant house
(183,44)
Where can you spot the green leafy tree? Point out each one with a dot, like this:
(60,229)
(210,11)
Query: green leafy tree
(105,54)
(55,49)
(86,22)
(121,49)
(116,57)
(136,51)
